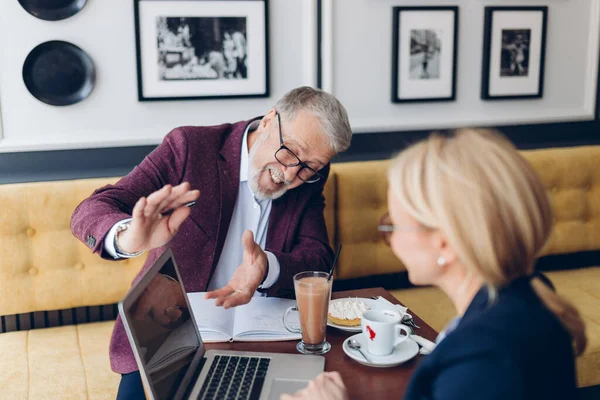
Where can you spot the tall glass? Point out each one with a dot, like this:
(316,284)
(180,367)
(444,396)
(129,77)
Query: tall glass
(313,291)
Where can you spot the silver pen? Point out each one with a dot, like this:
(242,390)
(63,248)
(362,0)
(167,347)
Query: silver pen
(169,212)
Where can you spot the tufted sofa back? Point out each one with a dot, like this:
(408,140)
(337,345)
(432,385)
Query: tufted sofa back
(570,175)
(360,200)
(42,266)
(572,178)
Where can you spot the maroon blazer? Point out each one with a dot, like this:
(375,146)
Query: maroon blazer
(209,159)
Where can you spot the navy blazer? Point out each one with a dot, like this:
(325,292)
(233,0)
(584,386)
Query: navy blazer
(513,348)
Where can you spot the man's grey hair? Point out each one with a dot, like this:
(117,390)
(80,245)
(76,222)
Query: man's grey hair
(330,112)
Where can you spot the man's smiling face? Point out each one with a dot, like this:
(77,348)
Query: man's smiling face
(267,177)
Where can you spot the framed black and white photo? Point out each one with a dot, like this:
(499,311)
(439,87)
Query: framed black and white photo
(424,48)
(514,46)
(201,49)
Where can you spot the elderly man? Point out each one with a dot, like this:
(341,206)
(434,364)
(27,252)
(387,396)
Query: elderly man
(258,218)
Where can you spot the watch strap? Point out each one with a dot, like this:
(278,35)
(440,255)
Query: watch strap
(122,253)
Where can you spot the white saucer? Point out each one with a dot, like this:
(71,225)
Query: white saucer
(402,352)
(372,304)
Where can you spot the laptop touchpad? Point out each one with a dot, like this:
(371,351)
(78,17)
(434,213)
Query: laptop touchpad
(281,386)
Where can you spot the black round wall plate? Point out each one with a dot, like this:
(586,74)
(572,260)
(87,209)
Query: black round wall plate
(59,73)
(52,10)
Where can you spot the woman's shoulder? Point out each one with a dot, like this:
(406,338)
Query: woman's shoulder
(472,360)
(515,339)
(516,326)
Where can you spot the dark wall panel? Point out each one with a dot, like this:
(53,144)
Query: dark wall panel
(118,161)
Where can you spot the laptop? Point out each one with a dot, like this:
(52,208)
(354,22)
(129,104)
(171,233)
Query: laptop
(173,361)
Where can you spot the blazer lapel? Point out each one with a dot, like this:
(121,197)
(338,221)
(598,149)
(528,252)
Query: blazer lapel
(228,195)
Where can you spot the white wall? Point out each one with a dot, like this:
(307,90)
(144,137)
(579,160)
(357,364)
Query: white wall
(358,63)
(112,115)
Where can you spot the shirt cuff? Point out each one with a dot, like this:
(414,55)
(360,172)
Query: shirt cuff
(274,270)
(109,241)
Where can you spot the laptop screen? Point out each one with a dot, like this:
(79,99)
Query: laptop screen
(164,331)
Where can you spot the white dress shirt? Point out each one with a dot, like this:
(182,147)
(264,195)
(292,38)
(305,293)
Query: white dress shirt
(249,213)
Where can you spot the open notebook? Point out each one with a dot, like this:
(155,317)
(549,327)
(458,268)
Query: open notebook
(259,320)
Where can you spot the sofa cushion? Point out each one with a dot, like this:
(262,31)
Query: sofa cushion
(64,363)
(330,204)
(581,287)
(361,199)
(572,179)
(43,267)
(429,303)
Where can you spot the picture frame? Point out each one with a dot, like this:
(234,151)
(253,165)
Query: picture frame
(424,54)
(514,52)
(201,49)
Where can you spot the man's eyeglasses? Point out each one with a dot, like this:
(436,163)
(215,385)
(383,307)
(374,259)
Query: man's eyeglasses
(287,158)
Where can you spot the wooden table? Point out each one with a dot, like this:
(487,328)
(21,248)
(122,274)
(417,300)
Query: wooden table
(362,382)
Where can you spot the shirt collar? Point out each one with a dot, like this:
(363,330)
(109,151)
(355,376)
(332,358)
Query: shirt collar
(244,159)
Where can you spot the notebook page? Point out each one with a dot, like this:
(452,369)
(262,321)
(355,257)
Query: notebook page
(261,319)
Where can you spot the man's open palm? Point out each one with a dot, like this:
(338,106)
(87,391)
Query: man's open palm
(246,278)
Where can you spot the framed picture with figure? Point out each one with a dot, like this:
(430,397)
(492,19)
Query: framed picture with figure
(514,48)
(201,49)
(424,48)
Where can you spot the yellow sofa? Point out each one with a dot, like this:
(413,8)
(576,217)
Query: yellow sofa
(48,278)
(43,268)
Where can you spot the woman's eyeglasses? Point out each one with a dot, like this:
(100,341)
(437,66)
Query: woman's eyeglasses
(389,228)
(386,227)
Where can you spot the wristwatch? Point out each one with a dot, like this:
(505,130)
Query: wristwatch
(120,228)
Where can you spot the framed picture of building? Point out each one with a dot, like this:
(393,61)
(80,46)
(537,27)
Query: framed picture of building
(201,49)
(424,49)
(514,48)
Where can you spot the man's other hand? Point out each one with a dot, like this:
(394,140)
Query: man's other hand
(246,278)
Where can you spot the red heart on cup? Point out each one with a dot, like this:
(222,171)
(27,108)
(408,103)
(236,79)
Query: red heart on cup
(372,333)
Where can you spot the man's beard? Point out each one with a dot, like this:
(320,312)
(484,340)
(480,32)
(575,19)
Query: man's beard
(255,174)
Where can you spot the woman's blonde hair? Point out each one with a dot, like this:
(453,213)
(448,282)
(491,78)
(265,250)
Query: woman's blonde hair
(477,189)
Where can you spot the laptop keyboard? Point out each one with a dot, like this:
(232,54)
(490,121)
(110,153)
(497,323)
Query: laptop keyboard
(234,377)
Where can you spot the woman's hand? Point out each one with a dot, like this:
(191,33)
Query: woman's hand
(327,386)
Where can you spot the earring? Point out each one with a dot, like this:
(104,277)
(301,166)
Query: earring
(441,261)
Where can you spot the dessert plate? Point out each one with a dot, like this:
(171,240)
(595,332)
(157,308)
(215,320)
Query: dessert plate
(372,304)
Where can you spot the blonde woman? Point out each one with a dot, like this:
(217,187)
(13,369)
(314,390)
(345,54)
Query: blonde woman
(470,216)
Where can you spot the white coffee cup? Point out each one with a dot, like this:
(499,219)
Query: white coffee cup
(381,330)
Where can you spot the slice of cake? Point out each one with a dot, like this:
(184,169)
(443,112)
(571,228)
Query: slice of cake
(346,312)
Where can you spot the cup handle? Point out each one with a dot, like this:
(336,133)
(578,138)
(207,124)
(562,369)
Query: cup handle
(285,314)
(400,338)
